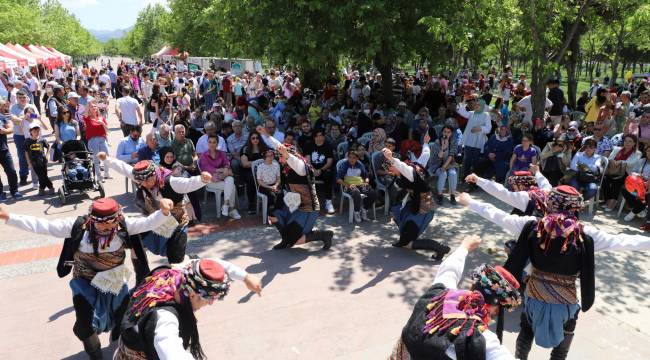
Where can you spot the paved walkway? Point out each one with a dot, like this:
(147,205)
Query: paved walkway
(348,303)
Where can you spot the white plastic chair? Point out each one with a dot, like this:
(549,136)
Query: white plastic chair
(341,150)
(218,193)
(380,186)
(592,202)
(345,195)
(621,208)
(260,196)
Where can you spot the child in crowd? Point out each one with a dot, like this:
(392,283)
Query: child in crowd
(36,151)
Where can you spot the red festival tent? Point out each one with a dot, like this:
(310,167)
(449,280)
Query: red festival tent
(51,61)
(66,58)
(22,60)
(32,60)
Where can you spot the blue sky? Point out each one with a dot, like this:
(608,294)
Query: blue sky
(107,14)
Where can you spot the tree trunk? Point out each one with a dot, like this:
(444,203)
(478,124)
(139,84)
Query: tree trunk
(538,89)
(571,64)
(385,65)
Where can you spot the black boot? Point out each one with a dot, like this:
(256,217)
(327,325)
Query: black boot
(93,347)
(561,351)
(429,244)
(524,339)
(321,235)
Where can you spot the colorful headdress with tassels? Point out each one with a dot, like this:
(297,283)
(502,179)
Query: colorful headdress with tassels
(204,277)
(457,311)
(144,169)
(523,179)
(561,221)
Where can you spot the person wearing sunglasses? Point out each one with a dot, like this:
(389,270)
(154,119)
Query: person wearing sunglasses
(587,168)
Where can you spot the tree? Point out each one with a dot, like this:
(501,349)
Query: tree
(150,32)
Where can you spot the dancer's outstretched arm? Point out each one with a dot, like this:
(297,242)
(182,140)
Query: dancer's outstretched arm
(116,164)
(604,241)
(451,269)
(511,223)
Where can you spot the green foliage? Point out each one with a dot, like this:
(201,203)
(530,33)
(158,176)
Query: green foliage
(47,23)
(150,32)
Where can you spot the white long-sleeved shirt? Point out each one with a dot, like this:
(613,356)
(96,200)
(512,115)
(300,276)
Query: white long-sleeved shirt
(180,184)
(603,241)
(517,199)
(406,170)
(62,228)
(294,163)
(475,139)
(449,274)
(595,163)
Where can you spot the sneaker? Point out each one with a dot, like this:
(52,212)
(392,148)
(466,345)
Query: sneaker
(224,210)
(234,214)
(642,214)
(630,216)
(364,215)
(3,196)
(17,195)
(607,209)
(34,186)
(357,217)
(329,207)
(439,199)
(452,199)
(41,191)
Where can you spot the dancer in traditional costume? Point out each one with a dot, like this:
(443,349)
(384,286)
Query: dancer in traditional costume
(95,249)
(450,323)
(159,322)
(296,220)
(416,211)
(561,250)
(156,182)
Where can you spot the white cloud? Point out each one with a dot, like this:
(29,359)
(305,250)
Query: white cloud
(75,4)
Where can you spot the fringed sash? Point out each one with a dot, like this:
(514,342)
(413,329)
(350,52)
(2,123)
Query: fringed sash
(552,288)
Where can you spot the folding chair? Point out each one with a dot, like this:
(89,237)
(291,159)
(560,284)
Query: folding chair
(595,199)
(380,186)
(345,195)
(260,196)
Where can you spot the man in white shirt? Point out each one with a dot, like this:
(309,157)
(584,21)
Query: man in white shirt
(146,88)
(58,74)
(210,128)
(33,87)
(128,111)
(271,129)
(526,105)
(103,77)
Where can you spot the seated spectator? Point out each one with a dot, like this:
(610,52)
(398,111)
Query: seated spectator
(127,149)
(268,180)
(168,161)
(290,138)
(442,163)
(636,189)
(555,160)
(396,128)
(202,144)
(216,163)
(604,147)
(587,168)
(497,152)
(254,149)
(384,176)
(320,155)
(377,140)
(149,151)
(236,142)
(335,136)
(621,163)
(524,154)
(352,175)
(271,127)
(164,136)
(306,135)
(186,156)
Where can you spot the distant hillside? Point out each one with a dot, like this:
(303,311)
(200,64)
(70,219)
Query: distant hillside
(105,35)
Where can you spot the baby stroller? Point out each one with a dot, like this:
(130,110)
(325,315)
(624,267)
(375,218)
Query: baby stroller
(78,171)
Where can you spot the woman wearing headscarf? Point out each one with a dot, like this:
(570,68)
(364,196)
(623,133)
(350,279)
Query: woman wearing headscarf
(377,141)
(478,126)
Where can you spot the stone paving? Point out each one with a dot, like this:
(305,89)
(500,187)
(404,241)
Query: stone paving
(347,303)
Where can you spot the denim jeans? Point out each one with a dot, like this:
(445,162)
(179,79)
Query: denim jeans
(443,175)
(7,164)
(95,145)
(588,190)
(19,141)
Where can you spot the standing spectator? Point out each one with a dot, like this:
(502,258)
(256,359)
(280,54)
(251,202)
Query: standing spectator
(97,137)
(353,177)
(587,166)
(226,88)
(320,155)
(499,152)
(254,149)
(556,96)
(54,103)
(113,76)
(215,162)
(644,127)
(621,163)
(209,90)
(146,89)
(128,111)
(16,114)
(478,126)
(36,151)
(623,110)
(65,128)
(34,89)
(7,127)
(443,163)
(593,106)
(526,105)
(582,101)
(524,154)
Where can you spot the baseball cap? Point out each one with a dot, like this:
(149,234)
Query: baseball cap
(72,94)
(401,103)
(34,126)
